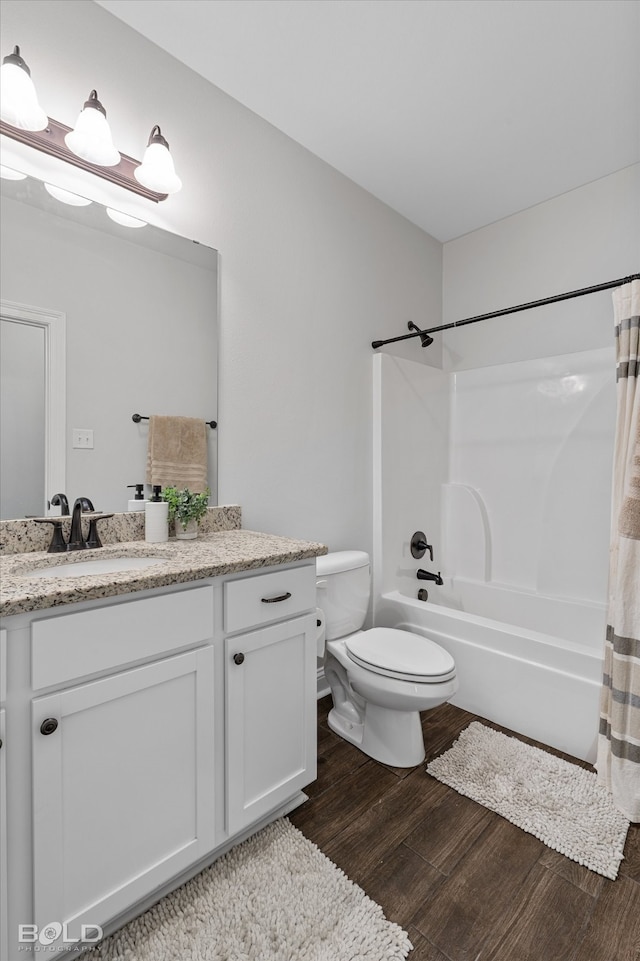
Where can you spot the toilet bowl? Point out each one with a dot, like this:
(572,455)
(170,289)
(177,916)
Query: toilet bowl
(380,679)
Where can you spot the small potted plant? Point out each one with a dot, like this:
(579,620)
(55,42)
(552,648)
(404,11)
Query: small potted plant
(185,510)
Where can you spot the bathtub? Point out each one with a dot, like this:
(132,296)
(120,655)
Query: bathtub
(541,680)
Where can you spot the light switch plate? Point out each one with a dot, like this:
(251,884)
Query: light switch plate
(82,438)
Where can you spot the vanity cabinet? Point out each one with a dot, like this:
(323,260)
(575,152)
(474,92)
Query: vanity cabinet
(149,733)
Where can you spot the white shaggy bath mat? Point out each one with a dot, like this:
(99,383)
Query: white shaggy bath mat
(276,897)
(560,803)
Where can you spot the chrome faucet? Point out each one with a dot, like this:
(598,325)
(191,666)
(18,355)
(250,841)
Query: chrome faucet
(428,576)
(76,540)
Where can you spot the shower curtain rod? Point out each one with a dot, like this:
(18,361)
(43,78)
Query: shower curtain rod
(510,310)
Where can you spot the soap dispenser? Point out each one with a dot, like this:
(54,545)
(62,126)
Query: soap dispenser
(137,502)
(156,518)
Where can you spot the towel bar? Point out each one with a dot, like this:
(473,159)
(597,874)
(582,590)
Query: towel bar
(136,418)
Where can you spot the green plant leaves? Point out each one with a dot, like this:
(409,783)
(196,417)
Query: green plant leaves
(184,505)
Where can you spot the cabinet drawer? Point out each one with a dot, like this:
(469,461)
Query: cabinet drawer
(264,598)
(75,645)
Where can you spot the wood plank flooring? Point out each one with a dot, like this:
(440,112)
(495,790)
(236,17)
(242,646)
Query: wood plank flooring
(466,884)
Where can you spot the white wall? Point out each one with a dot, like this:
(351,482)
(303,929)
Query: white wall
(312,268)
(585,237)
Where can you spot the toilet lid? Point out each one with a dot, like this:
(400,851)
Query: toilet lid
(401,654)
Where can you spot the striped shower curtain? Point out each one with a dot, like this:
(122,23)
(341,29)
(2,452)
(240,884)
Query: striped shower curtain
(618,761)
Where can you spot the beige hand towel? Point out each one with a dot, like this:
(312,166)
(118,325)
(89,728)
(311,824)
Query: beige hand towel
(177,452)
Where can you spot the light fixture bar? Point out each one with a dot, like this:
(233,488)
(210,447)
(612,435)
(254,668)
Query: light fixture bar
(51,141)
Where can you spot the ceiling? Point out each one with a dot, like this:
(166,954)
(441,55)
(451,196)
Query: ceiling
(456,113)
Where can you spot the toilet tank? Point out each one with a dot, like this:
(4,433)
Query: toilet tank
(343,585)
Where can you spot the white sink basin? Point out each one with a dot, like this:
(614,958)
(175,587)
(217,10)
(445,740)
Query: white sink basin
(101,565)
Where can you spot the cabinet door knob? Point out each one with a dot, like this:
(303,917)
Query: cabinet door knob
(49,725)
(238,658)
(275,600)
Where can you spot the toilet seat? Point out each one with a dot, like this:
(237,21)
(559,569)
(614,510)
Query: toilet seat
(400,654)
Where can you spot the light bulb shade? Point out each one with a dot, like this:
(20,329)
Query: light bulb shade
(8,173)
(156,170)
(18,99)
(91,137)
(125,220)
(66,197)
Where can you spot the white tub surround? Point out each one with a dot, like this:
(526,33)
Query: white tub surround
(507,470)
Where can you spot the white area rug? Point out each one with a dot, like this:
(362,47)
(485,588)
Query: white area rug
(276,897)
(560,803)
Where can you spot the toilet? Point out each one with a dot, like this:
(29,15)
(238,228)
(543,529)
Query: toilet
(380,679)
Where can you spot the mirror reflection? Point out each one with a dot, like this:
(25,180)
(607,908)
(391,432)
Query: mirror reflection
(22,391)
(137,310)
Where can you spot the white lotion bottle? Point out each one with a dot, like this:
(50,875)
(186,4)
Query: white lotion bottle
(156,519)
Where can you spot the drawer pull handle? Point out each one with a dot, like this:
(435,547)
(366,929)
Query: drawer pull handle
(274,600)
(238,658)
(49,725)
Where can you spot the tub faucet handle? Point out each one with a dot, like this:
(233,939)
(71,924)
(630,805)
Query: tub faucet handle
(419,545)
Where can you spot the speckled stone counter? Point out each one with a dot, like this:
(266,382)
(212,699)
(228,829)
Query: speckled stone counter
(209,555)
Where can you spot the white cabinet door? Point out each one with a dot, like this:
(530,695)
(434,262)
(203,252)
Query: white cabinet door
(270,713)
(123,787)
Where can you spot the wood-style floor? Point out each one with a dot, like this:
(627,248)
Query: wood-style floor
(466,884)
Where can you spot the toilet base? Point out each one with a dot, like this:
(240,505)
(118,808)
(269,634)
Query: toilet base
(389,736)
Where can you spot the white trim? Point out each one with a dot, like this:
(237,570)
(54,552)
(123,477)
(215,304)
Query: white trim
(376,473)
(322,686)
(54,324)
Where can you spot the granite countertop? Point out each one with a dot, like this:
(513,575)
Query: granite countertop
(209,555)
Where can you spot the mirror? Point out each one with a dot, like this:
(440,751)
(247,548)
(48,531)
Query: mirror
(32,382)
(137,309)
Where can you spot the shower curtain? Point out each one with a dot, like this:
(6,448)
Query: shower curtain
(618,761)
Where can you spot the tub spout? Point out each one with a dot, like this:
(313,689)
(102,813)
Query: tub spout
(428,576)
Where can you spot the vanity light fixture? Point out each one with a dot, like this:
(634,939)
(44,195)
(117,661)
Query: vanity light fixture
(89,145)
